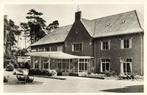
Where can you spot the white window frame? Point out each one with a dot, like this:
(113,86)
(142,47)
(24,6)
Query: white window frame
(73,48)
(82,62)
(130,64)
(122,44)
(101,63)
(36,65)
(102,44)
(44,64)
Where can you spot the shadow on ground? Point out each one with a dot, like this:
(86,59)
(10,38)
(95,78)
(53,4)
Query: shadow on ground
(130,89)
(21,83)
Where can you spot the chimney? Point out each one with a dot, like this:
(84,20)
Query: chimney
(78,15)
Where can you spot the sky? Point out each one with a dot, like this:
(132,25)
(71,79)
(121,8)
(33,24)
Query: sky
(65,13)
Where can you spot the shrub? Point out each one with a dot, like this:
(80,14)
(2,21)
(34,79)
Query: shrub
(9,67)
(5,79)
(96,75)
(83,74)
(42,72)
(59,73)
(73,74)
(110,73)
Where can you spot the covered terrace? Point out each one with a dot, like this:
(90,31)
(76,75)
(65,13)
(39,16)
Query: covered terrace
(61,62)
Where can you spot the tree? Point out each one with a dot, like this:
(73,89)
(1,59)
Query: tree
(26,30)
(52,26)
(21,52)
(36,24)
(10,30)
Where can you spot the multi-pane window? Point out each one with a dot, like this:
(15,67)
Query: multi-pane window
(105,45)
(45,64)
(36,66)
(83,64)
(36,63)
(53,48)
(77,47)
(105,65)
(127,65)
(126,43)
(47,49)
(41,49)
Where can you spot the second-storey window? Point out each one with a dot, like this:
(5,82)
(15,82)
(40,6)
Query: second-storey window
(77,47)
(126,43)
(105,45)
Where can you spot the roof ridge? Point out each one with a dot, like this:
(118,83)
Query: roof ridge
(113,15)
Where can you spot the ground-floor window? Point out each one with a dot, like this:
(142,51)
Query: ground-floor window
(83,64)
(36,65)
(105,64)
(127,65)
(45,65)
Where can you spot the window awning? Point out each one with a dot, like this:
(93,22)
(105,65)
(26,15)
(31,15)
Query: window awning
(57,55)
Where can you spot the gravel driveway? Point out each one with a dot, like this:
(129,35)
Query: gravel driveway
(73,84)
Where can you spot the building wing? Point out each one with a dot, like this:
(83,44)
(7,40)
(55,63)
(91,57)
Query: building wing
(57,36)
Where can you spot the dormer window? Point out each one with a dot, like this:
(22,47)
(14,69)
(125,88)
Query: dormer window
(123,22)
(108,25)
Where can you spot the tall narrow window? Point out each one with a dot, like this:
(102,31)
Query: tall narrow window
(105,45)
(126,43)
(77,47)
(36,66)
(45,64)
(105,65)
(127,65)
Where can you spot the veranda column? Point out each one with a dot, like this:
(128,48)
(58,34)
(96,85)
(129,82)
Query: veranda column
(121,66)
(78,65)
(69,65)
(40,62)
(49,63)
(84,66)
(61,65)
(32,62)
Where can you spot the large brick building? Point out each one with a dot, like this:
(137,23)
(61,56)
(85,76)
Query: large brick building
(112,43)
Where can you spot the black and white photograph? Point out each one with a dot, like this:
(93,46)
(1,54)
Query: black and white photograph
(73,48)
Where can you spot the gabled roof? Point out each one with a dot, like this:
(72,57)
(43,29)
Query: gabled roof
(123,23)
(58,35)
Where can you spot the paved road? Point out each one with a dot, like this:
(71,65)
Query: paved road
(72,84)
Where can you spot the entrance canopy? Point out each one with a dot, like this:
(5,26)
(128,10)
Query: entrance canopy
(57,55)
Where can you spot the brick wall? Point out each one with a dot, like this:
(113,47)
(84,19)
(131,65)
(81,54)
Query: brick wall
(115,52)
